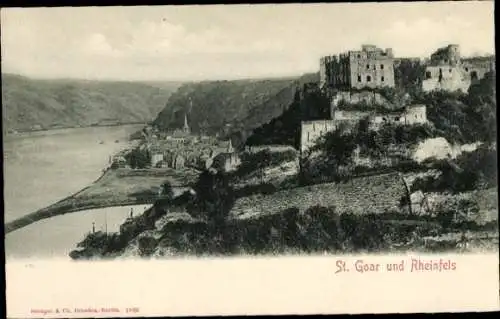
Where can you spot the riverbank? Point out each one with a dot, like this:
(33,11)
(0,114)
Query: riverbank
(14,132)
(120,187)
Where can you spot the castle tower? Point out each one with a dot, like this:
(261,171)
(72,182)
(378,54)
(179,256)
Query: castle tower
(230,147)
(186,128)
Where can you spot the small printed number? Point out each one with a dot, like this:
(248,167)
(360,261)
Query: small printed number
(128,310)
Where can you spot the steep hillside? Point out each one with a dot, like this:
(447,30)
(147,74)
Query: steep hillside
(308,104)
(43,104)
(228,107)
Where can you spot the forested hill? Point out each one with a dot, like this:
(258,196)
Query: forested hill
(230,107)
(43,104)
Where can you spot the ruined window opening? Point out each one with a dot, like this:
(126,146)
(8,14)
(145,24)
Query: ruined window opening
(382,78)
(368,78)
(396,118)
(428,75)
(308,136)
(359,56)
(381,66)
(367,66)
(466,69)
(473,75)
(445,60)
(359,78)
(450,70)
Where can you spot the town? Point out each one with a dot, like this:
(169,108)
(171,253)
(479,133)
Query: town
(370,157)
(352,81)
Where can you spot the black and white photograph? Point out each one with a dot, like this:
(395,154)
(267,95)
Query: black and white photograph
(155,133)
(152,133)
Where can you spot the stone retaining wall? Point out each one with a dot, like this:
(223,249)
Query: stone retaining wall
(358,195)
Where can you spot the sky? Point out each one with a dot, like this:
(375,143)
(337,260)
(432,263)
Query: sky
(207,42)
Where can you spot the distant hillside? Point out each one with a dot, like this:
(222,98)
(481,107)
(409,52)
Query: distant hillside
(230,107)
(44,104)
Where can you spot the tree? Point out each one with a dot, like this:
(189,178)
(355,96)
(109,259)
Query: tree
(166,191)
(138,158)
(335,150)
(214,198)
(482,102)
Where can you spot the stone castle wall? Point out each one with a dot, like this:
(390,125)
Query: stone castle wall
(447,71)
(416,114)
(359,195)
(371,67)
(371,71)
(349,97)
(346,120)
(311,131)
(448,78)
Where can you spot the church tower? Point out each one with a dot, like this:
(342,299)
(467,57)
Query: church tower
(230,147)
(186,128)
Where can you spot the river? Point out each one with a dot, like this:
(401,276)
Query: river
(41,168)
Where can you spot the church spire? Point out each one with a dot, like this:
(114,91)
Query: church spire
(186,126)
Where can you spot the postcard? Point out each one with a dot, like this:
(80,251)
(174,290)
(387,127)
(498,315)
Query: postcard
(250,159)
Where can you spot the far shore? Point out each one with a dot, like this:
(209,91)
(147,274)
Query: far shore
(14,132)
(115,188)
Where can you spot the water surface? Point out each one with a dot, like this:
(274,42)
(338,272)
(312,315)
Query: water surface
(41,168)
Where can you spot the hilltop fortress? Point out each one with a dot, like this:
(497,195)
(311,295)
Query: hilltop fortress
(353,82)
(350,79)
(371,67)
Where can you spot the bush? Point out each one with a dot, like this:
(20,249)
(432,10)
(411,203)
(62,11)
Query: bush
(214,198)
(138,158)
(453,213)
(464,118)
(251,162)
(469,171)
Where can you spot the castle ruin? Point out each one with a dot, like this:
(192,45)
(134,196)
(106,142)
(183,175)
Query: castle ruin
(346,76)
(371,67)
(447,71)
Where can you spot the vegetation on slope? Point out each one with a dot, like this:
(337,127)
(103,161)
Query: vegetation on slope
(228,107)
(309,103)
(464,118)
(43,104)
(316,230)
(469,171)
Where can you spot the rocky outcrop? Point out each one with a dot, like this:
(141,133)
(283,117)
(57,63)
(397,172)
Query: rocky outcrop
(439,148)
